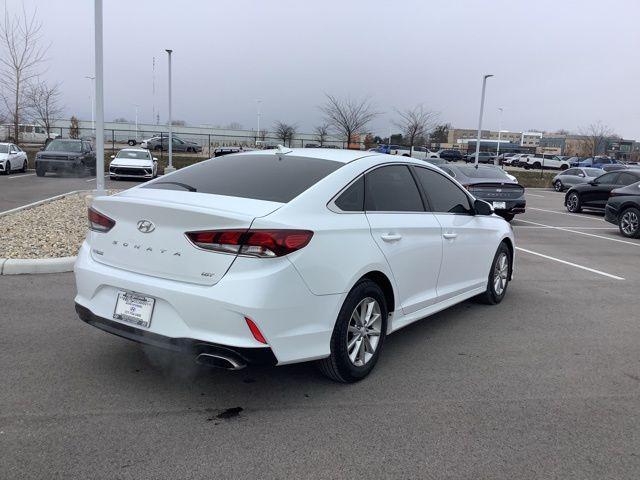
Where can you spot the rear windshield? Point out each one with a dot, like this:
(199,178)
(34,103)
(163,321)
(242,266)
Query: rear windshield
(276,178)
(482,172)
(593,172)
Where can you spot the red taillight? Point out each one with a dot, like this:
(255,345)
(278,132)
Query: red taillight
(255,331)
(99,222)
(256,243)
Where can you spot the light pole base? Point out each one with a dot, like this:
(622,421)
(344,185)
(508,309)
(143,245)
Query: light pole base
(169,170)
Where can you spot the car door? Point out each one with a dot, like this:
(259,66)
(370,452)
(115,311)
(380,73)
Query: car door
(409,237)
(15,158)
(570,177)
(597,194)
(468,240)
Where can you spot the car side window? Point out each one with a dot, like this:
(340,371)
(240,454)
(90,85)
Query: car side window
(352,199)
(571,171)
(626,179)
(444,195)
(607,178)
(392,189)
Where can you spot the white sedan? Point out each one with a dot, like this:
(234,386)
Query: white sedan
(283,256)
(12,158)
(133,163)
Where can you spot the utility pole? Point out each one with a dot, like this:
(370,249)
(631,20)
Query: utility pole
(99,98)
(170,168)
(484,86)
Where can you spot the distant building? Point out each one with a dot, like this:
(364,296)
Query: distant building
(463,136)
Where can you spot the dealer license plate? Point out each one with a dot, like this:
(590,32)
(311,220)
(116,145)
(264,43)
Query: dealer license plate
(499,205)
(134,308)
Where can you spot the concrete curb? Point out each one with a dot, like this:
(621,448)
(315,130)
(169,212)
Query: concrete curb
(18,266)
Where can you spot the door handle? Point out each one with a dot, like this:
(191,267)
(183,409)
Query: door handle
(449,236)
(391,237)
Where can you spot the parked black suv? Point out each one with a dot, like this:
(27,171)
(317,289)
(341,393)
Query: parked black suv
(451,155)
(66,155)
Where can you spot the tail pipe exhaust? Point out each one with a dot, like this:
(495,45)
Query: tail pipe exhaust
(221,360)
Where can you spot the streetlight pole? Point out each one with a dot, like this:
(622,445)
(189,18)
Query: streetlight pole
(92,87)
(137,106)
(99,98)
(484,86)
(496,161)
(170,168)
(259,115)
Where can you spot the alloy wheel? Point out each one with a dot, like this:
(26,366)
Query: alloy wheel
(558,186)
(572,202)
(363,333)
(629,223)
(501,273)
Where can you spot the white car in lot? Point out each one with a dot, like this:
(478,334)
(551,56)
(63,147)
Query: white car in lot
(555,162)
(283,256)
(12,159)
(133,163)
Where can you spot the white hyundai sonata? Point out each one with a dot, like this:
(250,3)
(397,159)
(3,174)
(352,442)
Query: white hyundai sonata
(284,256)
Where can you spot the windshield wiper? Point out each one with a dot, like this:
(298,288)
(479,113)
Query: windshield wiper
(183,185)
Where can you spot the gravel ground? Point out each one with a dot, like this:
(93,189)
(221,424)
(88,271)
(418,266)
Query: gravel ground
(52,230)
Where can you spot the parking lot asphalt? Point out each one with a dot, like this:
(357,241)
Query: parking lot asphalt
(544,385)
(23,188)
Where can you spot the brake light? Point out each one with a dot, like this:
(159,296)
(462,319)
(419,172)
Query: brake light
(255,243)
(99,222)
(255,331)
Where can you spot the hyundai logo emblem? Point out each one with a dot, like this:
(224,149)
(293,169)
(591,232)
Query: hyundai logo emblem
(145,226)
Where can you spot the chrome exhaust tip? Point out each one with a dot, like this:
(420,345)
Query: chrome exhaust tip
(219,360)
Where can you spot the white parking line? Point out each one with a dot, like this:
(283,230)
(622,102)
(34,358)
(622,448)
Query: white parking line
(576,228)
(13,177)
(570,230)
(571,264)
(94,178)
(586,217)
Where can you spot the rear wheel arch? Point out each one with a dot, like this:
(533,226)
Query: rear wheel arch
(507,241)
(385,285)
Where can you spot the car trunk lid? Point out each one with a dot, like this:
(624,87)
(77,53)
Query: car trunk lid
(149,234)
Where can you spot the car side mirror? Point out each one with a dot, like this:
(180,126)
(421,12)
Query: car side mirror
(113,156)
(581,175)
(155,159)
(593,183)
(482,208)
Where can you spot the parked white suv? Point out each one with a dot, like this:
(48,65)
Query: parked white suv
(555,162)
(27,133)
(284,256)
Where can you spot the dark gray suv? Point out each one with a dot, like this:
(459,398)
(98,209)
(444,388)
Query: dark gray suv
(66,155)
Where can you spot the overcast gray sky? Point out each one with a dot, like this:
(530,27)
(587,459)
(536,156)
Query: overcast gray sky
(557,64)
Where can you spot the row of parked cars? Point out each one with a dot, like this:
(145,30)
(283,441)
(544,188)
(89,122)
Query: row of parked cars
(615,193)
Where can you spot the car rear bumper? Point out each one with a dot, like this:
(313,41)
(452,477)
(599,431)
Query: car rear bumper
(296,324)
(188,346)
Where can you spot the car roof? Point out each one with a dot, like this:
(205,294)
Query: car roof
(334,154)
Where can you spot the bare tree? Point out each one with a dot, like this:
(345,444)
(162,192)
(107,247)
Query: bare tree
(21,56)
(74,127)
(43,103)
(595,137)
(284,132)
(348,116)
(321,132)
(415,123)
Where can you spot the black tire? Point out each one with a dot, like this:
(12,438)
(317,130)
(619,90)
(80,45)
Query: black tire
(573,203)
(557,185)
(564,167)
(629,222)
(507,216)
(537,165)
(7,168)
(40,170)
(526,166)
(491,296)
(338,366)
(24,167)
(132,143)
(113,178)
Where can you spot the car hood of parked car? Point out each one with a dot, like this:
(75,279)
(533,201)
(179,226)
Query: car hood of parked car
(131,162)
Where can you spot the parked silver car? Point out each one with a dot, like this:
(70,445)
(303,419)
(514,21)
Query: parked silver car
(573,176)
